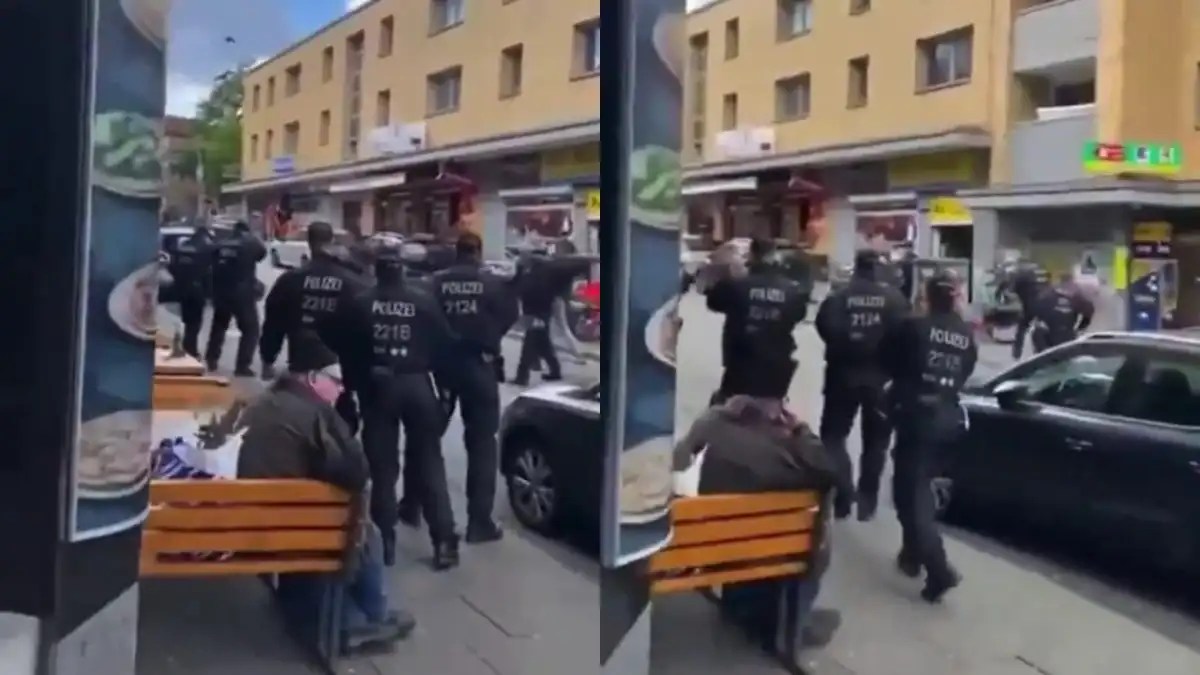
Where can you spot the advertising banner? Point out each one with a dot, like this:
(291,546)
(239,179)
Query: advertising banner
(638,477)
(112,461)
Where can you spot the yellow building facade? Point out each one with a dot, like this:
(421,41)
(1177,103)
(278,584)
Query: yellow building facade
(968,129)
(389,98)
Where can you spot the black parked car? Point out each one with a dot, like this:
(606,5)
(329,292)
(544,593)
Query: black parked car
(552,457)
(1097,440)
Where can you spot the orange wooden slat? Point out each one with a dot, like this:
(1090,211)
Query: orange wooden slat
(205,517)
(724,506)
(690,533)
(196,569)
(738,551)
(177,392)
(708,580)
(202,492)
(243,541)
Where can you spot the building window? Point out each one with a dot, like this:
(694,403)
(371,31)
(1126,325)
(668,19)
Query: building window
(729,112)
(794,17)
(587,48)
(327,64)
(511,64)
(270,151)
(732,39)
(944,59)
(291,85)
(859,85)
(445,14)
(386,33)
(445,88)
(860,6)
(256,101)
(383,108)
(793,97)
(271,91)
(291,139)
(323,130)
(254,147)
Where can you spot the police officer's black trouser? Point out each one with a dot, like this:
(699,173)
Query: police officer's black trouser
(473,382)
(1023,323)
(347,408)
(842,402)
(914,455)
(1044,339)
(242,309)
(407,399)
(536,346)
(191,311)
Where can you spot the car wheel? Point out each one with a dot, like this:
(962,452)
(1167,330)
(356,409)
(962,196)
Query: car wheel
(533,490)
(275,261)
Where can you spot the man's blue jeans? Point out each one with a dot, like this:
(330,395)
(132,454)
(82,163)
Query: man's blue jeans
(366,602)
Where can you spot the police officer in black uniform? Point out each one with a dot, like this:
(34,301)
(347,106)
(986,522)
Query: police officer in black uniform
(1028,282)
(852,323)
(761,310)
(234,296)
(1060,314)
(928,359)
(403,336)
(308,299)
(481,310)
(190,267)
(543,280)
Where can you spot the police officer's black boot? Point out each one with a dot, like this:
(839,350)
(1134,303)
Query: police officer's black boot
(908,565)
(389,548)
(868,504)
(409,513)
(484,532)
(937,585)
(445,554)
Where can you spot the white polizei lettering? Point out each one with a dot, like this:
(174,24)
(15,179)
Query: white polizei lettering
(941,336)
(462,287)
(767,295)
(393,308)
(322,284)
(865,301)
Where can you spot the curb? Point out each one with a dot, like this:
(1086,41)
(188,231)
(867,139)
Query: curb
(587,354)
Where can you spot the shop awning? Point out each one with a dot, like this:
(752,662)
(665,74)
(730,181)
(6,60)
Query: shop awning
(539,192)
(718,186)
(368,184)
(883,201)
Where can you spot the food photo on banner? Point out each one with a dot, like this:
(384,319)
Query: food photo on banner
(112,460)
(643,522)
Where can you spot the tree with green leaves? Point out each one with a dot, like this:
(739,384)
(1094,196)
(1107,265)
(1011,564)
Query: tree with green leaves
(219,131)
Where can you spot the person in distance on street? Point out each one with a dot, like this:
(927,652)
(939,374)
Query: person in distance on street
(545,279)
(852,323)
(293,431)
(1061,314)
(928,359)
(190,267)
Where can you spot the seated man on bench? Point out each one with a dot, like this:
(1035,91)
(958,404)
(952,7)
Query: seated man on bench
(293,431)
(752,443)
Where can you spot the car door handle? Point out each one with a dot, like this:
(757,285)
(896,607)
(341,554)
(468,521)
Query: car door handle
(1078,444)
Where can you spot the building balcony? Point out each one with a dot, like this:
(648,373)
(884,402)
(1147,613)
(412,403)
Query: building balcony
(1049,149)
(1050,35)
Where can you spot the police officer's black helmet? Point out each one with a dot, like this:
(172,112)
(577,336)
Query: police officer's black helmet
(319,234)
(389,261)
(761,248)
(865,261)
(941,290)
(241,226)
(468,245)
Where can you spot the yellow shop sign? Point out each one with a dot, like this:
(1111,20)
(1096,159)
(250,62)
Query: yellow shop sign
(592,204)
(563,164)
(948,211)
(933,169)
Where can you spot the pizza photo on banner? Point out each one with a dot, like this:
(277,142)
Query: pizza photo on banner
(655,209)
(112,460)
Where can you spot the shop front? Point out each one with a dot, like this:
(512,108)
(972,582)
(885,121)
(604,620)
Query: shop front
(434,200)
(564,205)
(785,206)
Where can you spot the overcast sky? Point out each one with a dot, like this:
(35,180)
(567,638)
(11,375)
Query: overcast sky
(198,51)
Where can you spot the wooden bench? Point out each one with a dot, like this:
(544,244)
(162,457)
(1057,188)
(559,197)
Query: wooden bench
(218,528)
(726,539)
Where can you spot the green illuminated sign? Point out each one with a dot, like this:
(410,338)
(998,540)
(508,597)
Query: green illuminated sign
(1143,158)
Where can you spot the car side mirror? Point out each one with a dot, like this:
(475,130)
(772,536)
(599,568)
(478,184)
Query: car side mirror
(1013,395)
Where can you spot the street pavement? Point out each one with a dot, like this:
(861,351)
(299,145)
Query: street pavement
(529,606)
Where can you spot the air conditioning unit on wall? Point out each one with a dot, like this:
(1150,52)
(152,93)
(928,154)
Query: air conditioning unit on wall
(397,139)
(746,143)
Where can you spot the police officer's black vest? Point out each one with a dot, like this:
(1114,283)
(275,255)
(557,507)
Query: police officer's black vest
(946,342)
(462,291)
(393,328)
(767,325)
(188,264)
(1059,314)
(863,315)
(320,292)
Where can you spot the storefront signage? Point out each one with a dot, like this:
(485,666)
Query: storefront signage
(948,211)
(284,164)
(1152,239)
(943,168)
(564,164)
(1134,158)
(592,204)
